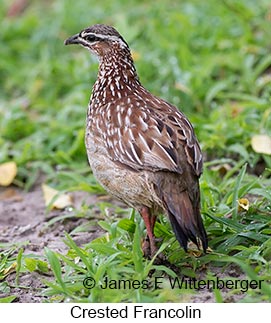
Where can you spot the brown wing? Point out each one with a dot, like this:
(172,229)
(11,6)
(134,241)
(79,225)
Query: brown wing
(150,135)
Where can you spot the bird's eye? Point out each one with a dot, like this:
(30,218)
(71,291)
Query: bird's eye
(91,38)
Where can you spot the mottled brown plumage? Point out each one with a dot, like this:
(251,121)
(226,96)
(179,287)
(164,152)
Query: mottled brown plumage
(142,149)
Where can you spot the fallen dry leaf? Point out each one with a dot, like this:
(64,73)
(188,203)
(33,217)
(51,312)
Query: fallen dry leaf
(10,194)
(261,144)
(8,171)
(194,251)
(243,204)
(5,272)
(55,199)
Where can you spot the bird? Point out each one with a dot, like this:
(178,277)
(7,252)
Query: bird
(142,149)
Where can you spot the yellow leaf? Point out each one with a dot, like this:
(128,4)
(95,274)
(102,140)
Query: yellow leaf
(8,171)
(243,204)
(194,251)
(5,272)
(55,199)
(261,144)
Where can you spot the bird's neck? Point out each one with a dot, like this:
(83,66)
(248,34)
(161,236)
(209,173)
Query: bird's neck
(117,77)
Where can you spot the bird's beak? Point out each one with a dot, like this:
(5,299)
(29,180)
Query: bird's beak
(72,40)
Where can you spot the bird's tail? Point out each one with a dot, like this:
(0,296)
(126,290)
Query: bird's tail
(185,218)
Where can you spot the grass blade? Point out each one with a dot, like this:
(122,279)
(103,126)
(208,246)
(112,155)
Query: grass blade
(236,191)
(19,265)
(56,267)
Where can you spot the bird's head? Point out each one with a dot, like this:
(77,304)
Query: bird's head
(99,39)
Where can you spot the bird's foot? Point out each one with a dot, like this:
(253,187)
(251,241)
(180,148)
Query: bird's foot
(150,249)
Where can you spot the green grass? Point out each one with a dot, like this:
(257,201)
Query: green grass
(212,59)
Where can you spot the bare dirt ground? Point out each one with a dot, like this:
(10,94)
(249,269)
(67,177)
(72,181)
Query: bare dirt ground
(23,218)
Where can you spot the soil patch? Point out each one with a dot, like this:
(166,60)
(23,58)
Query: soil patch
(24,220)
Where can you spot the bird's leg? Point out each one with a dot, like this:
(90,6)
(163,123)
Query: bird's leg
(149,246)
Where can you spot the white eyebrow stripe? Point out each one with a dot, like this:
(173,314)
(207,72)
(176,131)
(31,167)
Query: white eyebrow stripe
(110,37)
